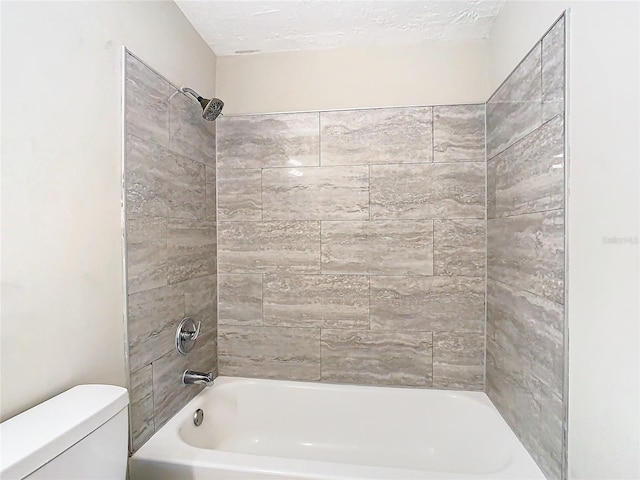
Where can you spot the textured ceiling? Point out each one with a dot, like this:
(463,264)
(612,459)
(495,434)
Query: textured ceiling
(249,26)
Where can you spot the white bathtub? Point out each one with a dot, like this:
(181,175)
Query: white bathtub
(255,429)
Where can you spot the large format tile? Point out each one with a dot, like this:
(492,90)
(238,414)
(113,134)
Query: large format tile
(459,247)
(256,141)
(530,325)
(378,358)
(269,247)
(380,135)
(146,102)
(458,360)
(516,107)
(159,182)
(269,352)
(200,299)
(146,253)
(445,304)
(553,81)
(316,193)
(529,175)
(438,190)
(153,316)
(239,194)
(192,250)
(191,135)
(392,247)
(141,406)
(527,252)
(458,133)
(240,300)
(329,301)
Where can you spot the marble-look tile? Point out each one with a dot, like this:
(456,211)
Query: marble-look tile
(200,298)
(378,135)
(240,299)
(438,190)
(516,107)
(378,358)
(269,247)
(256,141)
(444,304)
(533,327)
(146,252)
(192,250)
(328,301)
(141,407)
(459,247)
(191,135)
(527,252)
(159,182)
(210,194)
(458,360)
(491,188)
(239,194)
(315,193)
(391,247)
(458,133)
(153,316)
(169,393)
(269,352)
(529,175)
(535,414)
(553,81)
(146,102)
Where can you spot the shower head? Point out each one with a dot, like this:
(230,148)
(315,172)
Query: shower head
(211,109)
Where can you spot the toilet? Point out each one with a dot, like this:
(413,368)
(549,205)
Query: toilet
(79,434)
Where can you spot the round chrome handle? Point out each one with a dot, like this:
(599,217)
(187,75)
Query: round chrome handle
(186,335)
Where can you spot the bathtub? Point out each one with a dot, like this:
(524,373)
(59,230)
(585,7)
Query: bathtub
(270,429)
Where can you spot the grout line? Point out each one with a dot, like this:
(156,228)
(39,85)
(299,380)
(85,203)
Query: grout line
(515,215)
(433,138)
(486,250)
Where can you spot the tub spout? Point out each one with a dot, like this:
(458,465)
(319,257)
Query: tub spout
(189,377)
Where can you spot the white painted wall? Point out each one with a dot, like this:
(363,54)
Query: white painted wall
(425,74)
(603,201)
(62,289)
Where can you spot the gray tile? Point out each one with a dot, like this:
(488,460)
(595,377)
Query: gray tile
(159,182)
(516,107)
(378,358)
(146,253)
(438,190)
(239,194)
(191,135)
(553,80)
(269,247)
(527,252)
(146,102)
(269,352)
(444,304)
(141,406)
(240,299)
(458,133)
(530,325)
(170,394)
(153,316)
(459,247)
(200,298)
(192,250)
(316,193)
(529,175)
(392,247)
(491,188)
(256,141)
(380,135)
(210,194)
(329,301)
(458,360)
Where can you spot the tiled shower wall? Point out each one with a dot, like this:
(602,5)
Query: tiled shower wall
(352,246)
(170,231)
(525,302)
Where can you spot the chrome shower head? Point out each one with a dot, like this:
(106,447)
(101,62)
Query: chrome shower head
(211,109)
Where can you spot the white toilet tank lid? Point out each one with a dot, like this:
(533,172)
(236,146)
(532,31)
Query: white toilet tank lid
(34,437)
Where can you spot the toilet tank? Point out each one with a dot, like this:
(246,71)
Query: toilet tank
(79,434)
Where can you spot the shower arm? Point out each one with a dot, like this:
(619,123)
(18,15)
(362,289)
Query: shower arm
(191,92)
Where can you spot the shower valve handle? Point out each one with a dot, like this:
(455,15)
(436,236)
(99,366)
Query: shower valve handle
(186,335)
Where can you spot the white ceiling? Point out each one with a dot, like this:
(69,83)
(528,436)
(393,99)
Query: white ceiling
(233,27)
